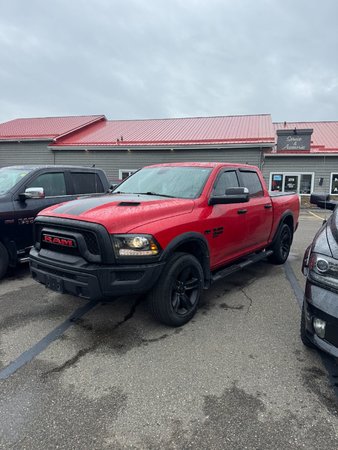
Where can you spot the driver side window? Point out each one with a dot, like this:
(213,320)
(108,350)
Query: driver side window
(227,180)
(53,184)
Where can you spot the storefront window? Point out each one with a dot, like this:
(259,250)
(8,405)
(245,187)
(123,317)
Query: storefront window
(305,184)
(334,183)
(294,182)
(291,183)
(277,182)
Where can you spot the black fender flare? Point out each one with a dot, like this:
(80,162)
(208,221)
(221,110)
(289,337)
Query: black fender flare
(186,239)
(285,216)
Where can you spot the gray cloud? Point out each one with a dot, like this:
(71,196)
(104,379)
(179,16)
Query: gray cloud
(169,58)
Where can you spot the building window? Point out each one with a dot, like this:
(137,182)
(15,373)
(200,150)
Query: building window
(334,183)
(291,183)
(125,173)
(302,183)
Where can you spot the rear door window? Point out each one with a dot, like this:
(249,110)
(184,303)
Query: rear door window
(86,183)
(251,181)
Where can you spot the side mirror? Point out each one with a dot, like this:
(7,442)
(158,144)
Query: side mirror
(232,195)
(113,186)
(32,192)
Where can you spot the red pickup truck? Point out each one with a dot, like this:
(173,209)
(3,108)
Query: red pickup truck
(169,230)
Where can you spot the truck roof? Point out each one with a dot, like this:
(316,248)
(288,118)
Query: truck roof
(50,166)
(202,164)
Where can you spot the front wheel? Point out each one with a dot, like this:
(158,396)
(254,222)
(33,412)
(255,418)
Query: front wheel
(282,245)
(3,260)
(175,297)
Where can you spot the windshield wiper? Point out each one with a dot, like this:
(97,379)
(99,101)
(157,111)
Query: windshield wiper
(143,193)
(154,193)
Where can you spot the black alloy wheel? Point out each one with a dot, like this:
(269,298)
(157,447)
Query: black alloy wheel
(282,245)
(175,297)
(285,243)
(4,259)
(185,290)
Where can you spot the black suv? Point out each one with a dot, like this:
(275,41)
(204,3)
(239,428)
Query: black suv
(319,322)
(26,190)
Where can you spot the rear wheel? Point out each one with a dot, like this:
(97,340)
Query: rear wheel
(175,297)
(3,260)
(282,245)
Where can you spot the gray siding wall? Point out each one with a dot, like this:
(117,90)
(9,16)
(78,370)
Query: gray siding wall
(321,166)
(14,153)
(113,160)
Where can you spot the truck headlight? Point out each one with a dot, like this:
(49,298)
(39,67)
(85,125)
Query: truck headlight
(135,245)
(324,270)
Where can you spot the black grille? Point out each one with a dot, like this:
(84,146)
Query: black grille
(60,248)
(91,242)
(89,237)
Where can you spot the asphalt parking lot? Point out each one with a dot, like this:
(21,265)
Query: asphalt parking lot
(236,377)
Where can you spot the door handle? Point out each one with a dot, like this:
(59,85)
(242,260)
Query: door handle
(267,206)
(242,211)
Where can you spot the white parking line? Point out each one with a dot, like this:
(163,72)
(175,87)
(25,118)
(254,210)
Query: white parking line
(315,215)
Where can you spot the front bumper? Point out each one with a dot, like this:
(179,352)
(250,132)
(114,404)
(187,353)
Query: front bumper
(73,275)
(322,303)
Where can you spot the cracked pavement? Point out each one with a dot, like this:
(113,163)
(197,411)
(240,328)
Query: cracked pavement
(235,377)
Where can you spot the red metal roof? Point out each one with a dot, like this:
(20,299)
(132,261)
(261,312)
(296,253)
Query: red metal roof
(45,127)
(324,137)
(183,131)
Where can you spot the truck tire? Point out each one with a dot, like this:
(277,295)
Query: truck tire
(306,341)
(175,297)
(3,260)
(281,246)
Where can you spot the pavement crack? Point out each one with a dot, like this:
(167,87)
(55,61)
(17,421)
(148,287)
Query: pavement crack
(75,359)
(129,315)
(70,362)
(248,298)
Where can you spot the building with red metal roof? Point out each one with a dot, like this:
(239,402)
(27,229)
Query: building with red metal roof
(300,156)
(225,130)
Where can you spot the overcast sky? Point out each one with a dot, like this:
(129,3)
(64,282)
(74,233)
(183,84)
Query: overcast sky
(132,59)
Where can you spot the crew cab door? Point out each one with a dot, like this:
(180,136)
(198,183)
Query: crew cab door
(54,184)
(226,224)
(259,212)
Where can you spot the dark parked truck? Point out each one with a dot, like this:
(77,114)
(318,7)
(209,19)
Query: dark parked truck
(26,190)
(169,230)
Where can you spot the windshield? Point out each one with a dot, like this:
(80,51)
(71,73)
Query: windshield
(9,177)
(181,182)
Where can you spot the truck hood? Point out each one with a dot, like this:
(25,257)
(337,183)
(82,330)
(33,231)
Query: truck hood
(120,213)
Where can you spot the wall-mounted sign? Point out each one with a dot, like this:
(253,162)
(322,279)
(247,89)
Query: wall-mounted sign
(296,139)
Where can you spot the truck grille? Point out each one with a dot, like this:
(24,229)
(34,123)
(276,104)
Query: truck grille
(89,237)
(91,242)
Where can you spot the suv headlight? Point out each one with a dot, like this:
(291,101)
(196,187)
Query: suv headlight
(324,270)
(135,245)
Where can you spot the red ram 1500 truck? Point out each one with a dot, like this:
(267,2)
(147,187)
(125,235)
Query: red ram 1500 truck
(169,230)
